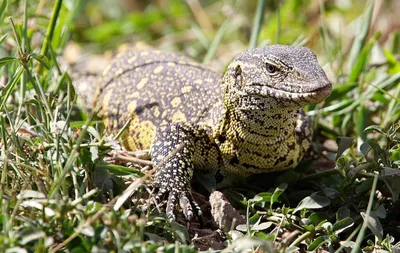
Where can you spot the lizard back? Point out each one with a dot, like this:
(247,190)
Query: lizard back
(151,87)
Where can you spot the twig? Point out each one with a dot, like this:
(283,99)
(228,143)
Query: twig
(132,159)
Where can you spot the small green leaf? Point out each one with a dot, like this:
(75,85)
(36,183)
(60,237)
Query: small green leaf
(379,154)
(154,237)
(373,224)
(310,227)
(305,222)
(262,226)
(235,196)
(342,212)
(94,150)
(379,97)
(375,128)
(343,144)
(242,227)
(74,124)
(365,186)
(365,148)
(381,212)
(6,60)
(368,248)
(330,192)
(393,63)
(342,225)
(261,197)
(181,232)
(319,241)
(395,155)
(255,218)
(2,38)
(323,223)
(392,183)
(312,202)
(117,169)
(278,191)
(317,218)
(327,226)
(88,231)
(261,235)
(42,59)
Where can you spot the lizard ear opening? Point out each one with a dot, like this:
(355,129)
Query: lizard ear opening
(238,76)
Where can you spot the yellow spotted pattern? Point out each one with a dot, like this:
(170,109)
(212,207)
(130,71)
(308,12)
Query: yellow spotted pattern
(244,122)
(153,88)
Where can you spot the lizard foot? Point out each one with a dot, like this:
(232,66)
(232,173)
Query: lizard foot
(185,199)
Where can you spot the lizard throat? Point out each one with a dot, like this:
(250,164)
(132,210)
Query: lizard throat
(262,126)
(257,143)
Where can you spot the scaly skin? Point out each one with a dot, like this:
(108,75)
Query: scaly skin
(248,121)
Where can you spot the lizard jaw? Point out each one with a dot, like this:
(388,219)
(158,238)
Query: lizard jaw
(298,98)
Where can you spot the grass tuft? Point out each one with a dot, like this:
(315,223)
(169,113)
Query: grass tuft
(64,186)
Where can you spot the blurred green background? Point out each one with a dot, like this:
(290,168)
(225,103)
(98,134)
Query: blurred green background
(192,26)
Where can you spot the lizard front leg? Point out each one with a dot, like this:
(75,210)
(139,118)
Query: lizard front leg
(303,133)
(172,153)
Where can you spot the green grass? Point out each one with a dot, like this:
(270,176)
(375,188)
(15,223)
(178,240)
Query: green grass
(60,190)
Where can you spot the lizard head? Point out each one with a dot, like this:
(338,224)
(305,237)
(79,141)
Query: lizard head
(274,77)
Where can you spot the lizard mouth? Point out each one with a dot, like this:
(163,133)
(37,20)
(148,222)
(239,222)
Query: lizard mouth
(324,89)
(319,88)
(297,97)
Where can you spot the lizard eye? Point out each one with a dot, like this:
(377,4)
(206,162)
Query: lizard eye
(271,68)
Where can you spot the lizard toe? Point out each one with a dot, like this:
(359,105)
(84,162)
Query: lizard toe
(194,207)
(172,201)
(186,205)
(159,196)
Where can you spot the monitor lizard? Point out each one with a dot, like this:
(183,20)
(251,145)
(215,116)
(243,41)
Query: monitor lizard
(244,122)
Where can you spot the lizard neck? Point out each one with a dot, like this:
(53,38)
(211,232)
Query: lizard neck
(254,144)
(251,118)
(260,126)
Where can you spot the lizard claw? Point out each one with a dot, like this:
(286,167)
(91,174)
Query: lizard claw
(186,206)
(186,201)
(189,206)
